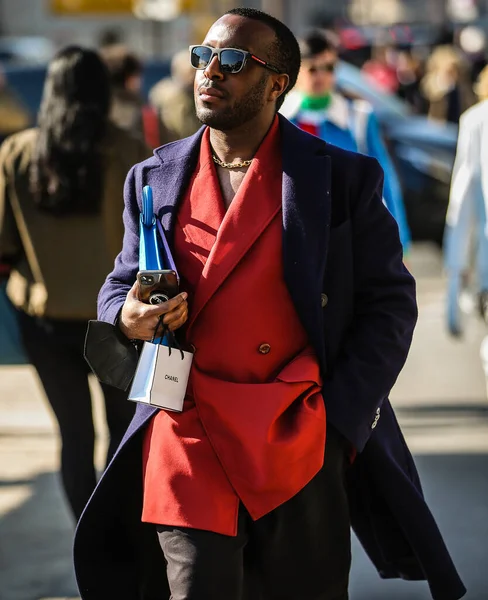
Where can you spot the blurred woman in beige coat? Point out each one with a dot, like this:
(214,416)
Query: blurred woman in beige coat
(446,85)
(61,228)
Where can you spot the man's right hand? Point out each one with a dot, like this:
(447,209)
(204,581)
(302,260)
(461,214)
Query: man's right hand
(139,320)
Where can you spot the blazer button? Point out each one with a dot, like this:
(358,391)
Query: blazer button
(192,348)
(264,349)
(324,300)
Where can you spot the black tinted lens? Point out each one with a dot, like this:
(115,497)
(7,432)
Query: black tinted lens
(232,61)
(200,57)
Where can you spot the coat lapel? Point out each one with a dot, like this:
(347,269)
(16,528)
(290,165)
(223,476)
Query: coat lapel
(306,225)
(170,180)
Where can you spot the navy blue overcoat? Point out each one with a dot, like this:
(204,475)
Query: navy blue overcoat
(343,267)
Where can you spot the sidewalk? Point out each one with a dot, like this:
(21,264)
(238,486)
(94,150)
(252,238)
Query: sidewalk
(35,526)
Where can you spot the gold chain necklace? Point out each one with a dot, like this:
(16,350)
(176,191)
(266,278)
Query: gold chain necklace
(234,165)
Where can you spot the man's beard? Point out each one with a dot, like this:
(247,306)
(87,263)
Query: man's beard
(241,113)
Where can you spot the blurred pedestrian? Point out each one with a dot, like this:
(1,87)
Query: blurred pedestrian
(446,85)
(466,237)
(381,69)
(129,110)
(410,73)
(13,117)
(173,99)
(61,205)
(317,107)
(110,36)
(472,41)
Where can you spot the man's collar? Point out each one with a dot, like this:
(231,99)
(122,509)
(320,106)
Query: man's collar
(181,148)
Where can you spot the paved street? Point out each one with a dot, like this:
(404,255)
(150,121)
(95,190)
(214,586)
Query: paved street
(441,404)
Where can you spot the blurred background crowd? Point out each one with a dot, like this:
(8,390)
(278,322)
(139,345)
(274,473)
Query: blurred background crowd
(395,79)
(416,62)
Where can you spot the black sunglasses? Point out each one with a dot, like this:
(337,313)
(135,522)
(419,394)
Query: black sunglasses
(325,68)
(231,60)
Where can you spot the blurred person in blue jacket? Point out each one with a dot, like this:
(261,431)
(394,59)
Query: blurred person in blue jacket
(466,234)
(317,107)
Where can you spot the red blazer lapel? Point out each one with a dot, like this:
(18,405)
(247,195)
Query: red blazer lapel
(256,203)
(201,214)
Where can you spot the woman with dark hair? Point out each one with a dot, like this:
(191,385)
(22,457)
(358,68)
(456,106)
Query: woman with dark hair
(61,228)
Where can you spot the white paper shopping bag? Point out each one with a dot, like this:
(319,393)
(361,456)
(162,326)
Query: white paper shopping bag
(161,377)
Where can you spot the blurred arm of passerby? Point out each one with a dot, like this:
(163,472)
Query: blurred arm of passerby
(10,243)
(466,215)
(13,116)
(173,98)
(128,110)
(374,145)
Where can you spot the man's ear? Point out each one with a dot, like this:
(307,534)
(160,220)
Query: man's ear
(279,87)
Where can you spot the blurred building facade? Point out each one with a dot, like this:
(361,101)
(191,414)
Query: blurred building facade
(51,19)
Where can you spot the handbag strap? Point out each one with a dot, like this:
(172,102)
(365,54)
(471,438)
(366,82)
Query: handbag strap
(152,254)
(149,256)
(167,338)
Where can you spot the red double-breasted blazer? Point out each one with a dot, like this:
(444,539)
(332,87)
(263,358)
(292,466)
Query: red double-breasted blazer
(253,426)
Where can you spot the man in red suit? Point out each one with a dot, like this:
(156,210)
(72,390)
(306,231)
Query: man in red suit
(299,311)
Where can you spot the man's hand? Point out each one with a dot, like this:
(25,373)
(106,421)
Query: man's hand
(139,320)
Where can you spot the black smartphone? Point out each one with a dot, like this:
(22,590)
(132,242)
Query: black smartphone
(156,287)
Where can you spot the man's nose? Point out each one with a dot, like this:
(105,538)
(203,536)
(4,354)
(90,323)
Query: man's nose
(212,70)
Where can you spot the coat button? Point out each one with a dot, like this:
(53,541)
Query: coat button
(192,348)
(324,300)
(264,349)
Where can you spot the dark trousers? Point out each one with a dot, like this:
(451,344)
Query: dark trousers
(55,349)
(300,551)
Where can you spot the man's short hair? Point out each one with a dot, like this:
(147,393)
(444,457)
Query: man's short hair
(284,52)
(315,42)
(121,63)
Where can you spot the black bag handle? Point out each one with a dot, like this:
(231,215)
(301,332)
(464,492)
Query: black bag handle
(172,341)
